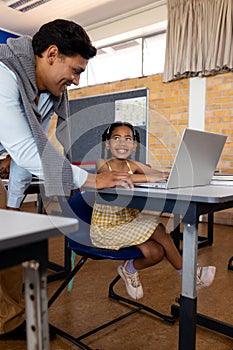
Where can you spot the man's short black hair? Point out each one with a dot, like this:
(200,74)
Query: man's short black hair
(70,38)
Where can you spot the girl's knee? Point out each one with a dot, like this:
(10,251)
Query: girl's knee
(156,253)
(161,235)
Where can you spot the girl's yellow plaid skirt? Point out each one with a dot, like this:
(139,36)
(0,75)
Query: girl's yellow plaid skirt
(114,227)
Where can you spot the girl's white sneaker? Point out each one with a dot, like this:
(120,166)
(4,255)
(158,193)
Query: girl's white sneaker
(205,276)
(132,281)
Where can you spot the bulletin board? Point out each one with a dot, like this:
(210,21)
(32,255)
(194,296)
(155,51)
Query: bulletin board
(90,116)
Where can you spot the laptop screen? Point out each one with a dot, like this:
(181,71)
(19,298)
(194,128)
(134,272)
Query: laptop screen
(195,161)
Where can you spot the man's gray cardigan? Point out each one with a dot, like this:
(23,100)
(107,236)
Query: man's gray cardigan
(18,55)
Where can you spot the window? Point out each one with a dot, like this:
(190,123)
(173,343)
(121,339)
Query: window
(116,62)
(154,54)
(126,60)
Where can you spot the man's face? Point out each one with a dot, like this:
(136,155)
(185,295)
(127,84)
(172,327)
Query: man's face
(55,72)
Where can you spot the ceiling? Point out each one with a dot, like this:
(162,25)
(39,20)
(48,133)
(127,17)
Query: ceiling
(88,13)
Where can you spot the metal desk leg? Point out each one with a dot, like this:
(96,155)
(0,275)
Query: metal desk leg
(36,306)
(188,299)
(202,240)
(187,309)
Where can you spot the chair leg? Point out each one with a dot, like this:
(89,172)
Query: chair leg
(137,307)
(67,280)
(112,295)
(69,337)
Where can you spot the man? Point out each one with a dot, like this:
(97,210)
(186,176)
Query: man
(35,74)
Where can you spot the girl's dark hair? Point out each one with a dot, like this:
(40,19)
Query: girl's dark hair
(70,38)
(108,133)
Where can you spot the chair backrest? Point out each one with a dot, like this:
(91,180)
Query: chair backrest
(81,203)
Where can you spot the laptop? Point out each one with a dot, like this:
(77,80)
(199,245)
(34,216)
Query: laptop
(195,161)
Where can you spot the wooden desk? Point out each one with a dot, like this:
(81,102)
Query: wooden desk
(23,239)
(189,203)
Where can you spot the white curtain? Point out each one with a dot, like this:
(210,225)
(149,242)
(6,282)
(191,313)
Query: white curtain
(199,38)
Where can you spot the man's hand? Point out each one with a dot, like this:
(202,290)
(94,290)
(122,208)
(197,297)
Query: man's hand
(111,179)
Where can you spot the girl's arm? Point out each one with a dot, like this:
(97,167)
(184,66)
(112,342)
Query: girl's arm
(101,166)
(105,178)
(144,173)
(141,172)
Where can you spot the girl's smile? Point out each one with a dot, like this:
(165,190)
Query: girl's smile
(121,143)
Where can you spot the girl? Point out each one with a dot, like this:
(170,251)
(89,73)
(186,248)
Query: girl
(115,227)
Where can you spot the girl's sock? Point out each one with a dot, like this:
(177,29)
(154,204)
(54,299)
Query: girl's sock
(130,267)
(179,271)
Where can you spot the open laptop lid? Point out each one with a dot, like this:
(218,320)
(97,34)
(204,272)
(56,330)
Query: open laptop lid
(196,158)
(195,161)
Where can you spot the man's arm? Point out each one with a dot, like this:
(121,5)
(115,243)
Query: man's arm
(106,180)
(15,133)
(17,139)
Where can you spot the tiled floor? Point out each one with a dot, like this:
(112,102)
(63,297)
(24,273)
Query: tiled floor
(87,304)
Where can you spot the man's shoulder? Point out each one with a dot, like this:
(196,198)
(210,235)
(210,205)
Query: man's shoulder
(8,84)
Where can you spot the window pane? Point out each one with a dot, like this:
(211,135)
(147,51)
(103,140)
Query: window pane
(154,54)
(84,78)
(116,62)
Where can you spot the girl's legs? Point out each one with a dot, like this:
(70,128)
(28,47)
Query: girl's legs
(171,252)
(159,245)
(153,253)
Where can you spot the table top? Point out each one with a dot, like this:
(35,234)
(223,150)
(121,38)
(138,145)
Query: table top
(204,194)
(20,228)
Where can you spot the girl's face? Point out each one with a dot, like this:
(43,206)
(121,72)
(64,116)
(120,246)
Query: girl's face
(121,143)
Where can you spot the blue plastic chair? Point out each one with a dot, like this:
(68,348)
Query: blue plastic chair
(81,204)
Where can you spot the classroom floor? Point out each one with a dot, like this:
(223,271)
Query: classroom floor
(87,305)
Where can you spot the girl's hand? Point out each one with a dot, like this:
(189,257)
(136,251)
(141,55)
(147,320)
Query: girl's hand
(152,177)
(157,177)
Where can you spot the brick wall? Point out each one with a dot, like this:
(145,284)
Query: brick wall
(219,114)
(168,116)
